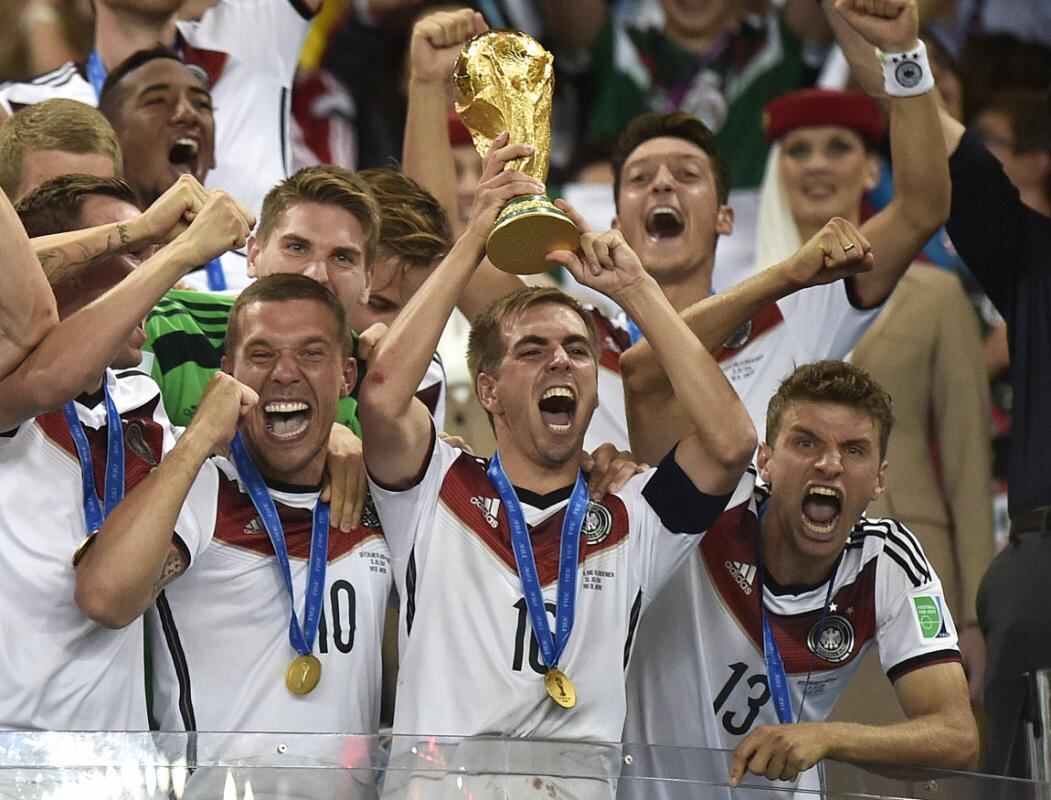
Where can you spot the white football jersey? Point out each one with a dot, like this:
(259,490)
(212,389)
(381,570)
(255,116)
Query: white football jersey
(219,633)
(806,326)
(699,678)
(249,48)
(469,661)
(61,670)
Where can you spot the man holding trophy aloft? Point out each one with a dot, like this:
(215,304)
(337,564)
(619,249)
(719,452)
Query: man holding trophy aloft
(487,553)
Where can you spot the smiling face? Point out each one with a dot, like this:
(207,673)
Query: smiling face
(825,172)
(668,209)
(545,390)
(824,468)
(164,123)
(289,352)
(322,241)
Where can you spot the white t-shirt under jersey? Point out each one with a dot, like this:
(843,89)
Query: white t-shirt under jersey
(60,670)
(219,632)
(698,677)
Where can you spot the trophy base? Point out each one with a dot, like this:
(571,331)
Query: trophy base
(527,230)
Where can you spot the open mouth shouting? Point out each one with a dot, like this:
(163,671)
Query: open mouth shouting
(286,419)
(558,407)
(664,222)
(821,509)
(184,156)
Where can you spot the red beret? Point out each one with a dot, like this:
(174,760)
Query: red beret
(458,133)
(813,107)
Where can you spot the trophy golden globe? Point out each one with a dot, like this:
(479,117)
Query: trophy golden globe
(504,81)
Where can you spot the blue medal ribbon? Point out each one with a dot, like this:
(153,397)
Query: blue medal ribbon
(551,647)
(301,639)
(96,72)
(775,665)
(94,512)
(213,270)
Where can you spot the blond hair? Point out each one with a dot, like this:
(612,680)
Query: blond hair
(56,124)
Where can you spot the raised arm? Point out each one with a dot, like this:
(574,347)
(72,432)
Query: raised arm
(134,556)
(428,157)
(654,414)
(865,68)
(28,310)
(63,255)
(921,171)
(718,443)
(78,350)
(396,427)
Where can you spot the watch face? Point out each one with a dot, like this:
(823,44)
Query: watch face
(908,74)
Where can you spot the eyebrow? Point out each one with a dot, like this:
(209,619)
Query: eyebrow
(261,341)
(645,160)
(165,87)
(574,338)
(814,435)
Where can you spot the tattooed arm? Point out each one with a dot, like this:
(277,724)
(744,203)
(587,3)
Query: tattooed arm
(63,255)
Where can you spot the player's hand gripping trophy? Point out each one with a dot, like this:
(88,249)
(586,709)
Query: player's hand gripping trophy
(503,81)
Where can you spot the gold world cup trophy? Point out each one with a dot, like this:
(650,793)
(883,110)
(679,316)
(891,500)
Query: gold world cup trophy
(504,81)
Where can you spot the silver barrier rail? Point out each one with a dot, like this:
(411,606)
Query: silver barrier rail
(271,766)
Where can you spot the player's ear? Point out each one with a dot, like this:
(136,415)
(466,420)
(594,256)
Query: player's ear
(881,481)
(350,377)
(253,248)
(762,461)
(485,388)
(724,221)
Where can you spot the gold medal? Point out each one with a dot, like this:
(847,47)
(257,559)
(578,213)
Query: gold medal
(560,688)
(82,548)
(303,674)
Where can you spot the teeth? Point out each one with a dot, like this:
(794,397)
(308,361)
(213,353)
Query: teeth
(665,210)
(558,428)
(190,143)
(558,391)
(824,490)
(285,408)
(826,528)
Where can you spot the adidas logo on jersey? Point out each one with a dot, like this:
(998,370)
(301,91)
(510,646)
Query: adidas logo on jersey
(743,573)
(488,506)
(255,526)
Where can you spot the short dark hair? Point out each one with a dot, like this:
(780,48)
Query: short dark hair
(55,205)
(679,125)
(833,382)
(413,226)
(280,288)
(109,96)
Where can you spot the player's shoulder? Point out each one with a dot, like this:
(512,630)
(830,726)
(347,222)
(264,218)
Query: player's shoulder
(189,311)
(132,388)
(897,549)
(63,82)
(613,334)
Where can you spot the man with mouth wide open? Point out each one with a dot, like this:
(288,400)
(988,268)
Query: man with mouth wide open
(227,654)
(501,633)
